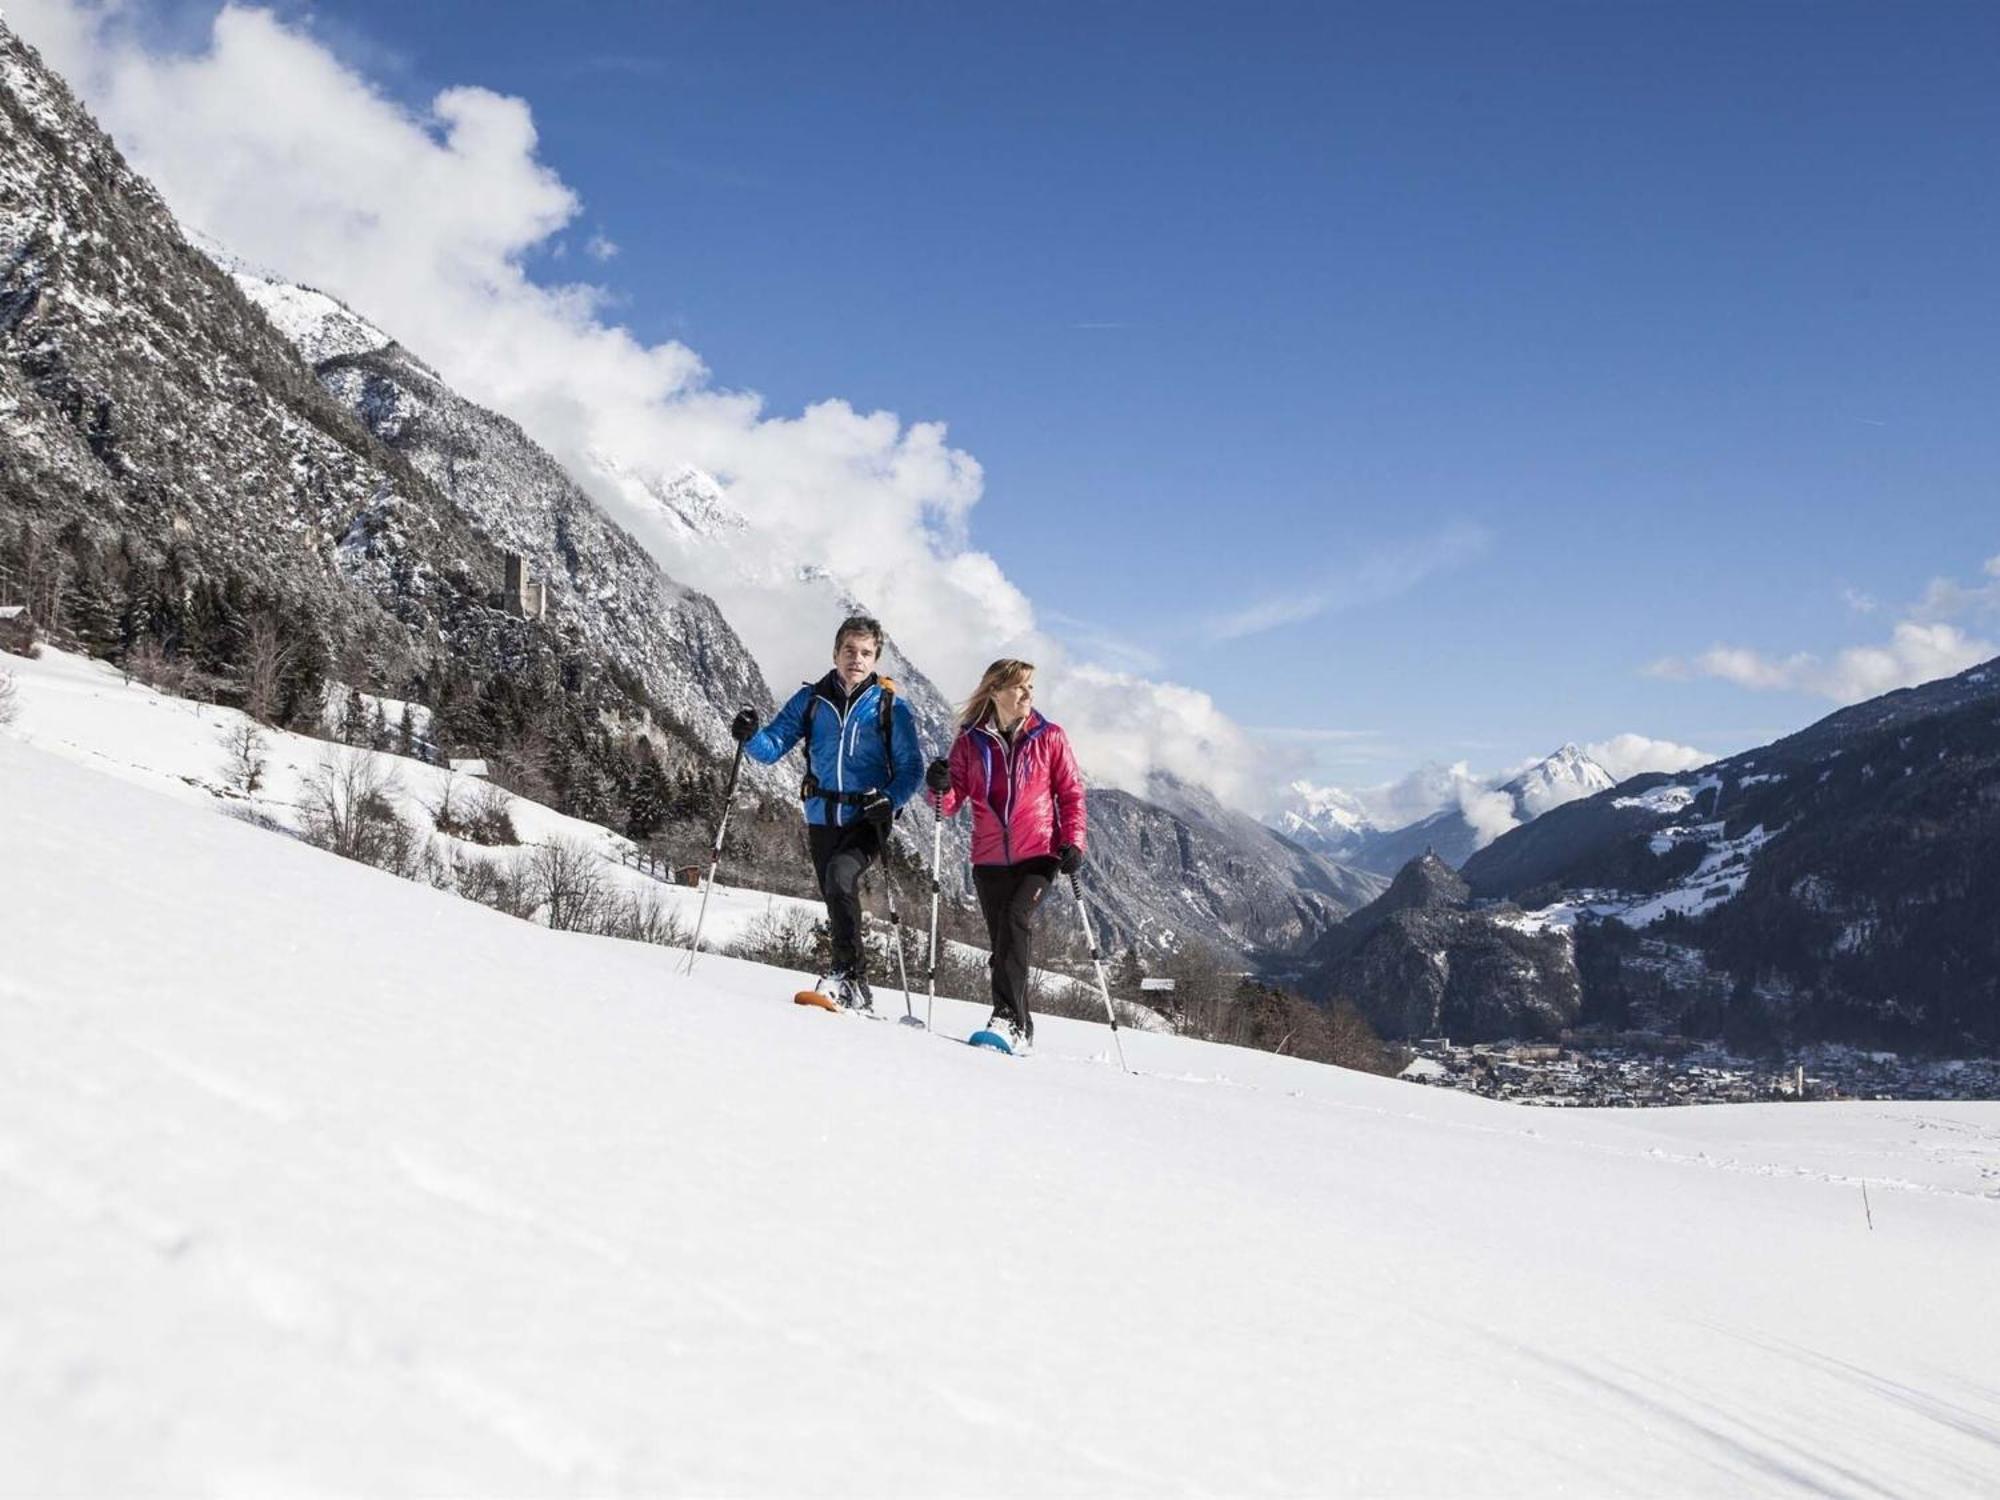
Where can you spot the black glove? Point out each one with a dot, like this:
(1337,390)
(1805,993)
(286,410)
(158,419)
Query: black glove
(878,809)
(743,725)
(938,776)
(1069,859)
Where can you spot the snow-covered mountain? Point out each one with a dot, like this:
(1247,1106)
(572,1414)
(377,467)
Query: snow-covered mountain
(1562,777)
(1178,864)
(1169,867)
(598,579)
(1324,819)
(1838,883)
(173,479)
(1338,823)
(316,1181)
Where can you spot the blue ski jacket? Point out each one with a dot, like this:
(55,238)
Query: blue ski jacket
(846,745)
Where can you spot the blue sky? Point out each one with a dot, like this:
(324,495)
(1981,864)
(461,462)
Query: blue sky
(1449,378)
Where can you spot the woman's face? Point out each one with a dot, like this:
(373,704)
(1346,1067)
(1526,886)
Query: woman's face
(1012,703)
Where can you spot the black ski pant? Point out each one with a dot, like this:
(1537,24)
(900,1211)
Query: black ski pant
(841,856)
(1008,896)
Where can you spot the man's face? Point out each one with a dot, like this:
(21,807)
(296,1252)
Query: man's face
(854,659)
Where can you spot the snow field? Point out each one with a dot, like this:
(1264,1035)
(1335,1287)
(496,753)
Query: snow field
(315,1181)
(83,710)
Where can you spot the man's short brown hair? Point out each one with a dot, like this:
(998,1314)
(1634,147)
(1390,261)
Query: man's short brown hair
(859,625)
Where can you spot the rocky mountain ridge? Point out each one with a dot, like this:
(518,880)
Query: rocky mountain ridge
(152,417)
(1838,884)
(175,431)
(1422,961)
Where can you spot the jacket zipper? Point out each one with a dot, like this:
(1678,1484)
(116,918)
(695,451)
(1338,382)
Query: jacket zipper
(1013,791)
(840,749)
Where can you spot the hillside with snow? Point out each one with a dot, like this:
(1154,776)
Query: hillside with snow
(317,1181)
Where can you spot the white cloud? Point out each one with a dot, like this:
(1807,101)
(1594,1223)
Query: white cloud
(1382,575)
(1922,647)
(1948,599)
(597,247)
(1490,814)
(263,141)
(1628,755)
(1914,653)
(1430,788)
(1434,787)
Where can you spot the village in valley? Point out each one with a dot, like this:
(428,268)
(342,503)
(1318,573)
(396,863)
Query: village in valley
(1639,1070)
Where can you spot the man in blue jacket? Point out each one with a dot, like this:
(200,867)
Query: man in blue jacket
(862,764)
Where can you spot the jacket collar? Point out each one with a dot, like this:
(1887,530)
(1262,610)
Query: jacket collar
(831,688)
(1031,726)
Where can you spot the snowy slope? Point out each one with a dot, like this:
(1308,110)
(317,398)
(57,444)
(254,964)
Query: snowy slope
(83,710)
(319,1182)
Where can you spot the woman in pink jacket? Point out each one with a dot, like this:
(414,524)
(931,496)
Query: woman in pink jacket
(1016,770)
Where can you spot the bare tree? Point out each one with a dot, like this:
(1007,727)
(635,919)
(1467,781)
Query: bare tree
(10,699)
(243,746)
(348,807)
(785,939)
(268,656)
(566,878)
(640,917)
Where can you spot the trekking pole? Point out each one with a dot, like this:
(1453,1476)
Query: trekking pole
(896,928)
(937,846)
(715,863)
(1097,960)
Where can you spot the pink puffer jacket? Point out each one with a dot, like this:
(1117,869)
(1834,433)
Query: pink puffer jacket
(1027,800)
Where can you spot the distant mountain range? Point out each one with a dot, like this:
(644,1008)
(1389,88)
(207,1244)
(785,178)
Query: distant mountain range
(1336,823)
(1839,884)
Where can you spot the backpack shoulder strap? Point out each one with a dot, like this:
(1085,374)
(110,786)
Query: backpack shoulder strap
(810,786)
(886,718)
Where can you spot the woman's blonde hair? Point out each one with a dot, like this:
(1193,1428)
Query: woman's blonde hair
(1003,674)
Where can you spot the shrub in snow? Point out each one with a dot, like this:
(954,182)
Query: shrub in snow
(478,814)
(9,698)
(495,883)
(257,818)
(783,939)
(348,807)
(243,747)
(640,917)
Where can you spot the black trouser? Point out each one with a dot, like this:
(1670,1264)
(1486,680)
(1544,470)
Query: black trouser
(1008,895)
(841,856)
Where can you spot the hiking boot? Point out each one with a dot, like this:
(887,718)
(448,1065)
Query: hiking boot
(1020,1042)
(851,992)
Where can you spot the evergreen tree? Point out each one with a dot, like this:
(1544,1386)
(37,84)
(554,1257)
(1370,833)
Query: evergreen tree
(651,799)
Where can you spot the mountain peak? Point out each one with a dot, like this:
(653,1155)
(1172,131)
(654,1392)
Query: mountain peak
(1424,883)
(1566,776)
